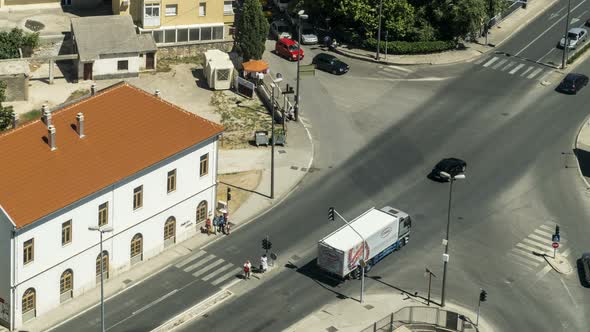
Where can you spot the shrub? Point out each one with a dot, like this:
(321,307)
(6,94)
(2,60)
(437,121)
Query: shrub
(402,47)
(11,41)
(578,53)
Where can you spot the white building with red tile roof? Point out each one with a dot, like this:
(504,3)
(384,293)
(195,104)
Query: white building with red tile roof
(121,158)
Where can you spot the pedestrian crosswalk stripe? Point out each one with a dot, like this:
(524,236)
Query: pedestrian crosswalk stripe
(199,263)
(399,68)
(523,260)
(536,244)
(535,73)
(512,63)
(517,68)
(566,252)
(226,276)
(541,239)
(547,227)
(500,63)
(530,250)
(527,71)
(216,272)
(480,60)
(208,267)
(526,254)
(487,64)
(188,260)
(544,271)
(544,233)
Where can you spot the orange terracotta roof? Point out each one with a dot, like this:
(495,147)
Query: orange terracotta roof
(255,65)
(127,130)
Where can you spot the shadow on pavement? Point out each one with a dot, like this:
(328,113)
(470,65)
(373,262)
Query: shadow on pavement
(582,274)
(584,161)
(312,271)
(409,295)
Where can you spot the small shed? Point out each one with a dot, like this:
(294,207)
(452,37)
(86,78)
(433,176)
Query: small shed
(15,73)
(218,69)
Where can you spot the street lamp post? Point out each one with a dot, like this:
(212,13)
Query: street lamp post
(430,274)
(379,30)
(300,16)
(566,38)
(277,80)
(101,230)
(446,241)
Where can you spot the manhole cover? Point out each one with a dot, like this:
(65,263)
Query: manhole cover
(331,329)
(34,25)
(369,307)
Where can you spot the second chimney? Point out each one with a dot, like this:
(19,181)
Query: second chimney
(46,115)
(51,137)
(93,89)
(14,120)
(157,93)
(80,125)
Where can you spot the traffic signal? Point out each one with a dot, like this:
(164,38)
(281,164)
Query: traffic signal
(228,194)
(557,230)
(331,214)
(266,244)
(483,295)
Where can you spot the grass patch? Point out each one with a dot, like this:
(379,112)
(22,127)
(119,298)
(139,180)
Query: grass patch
(241,121)
(165,64)
(242,184)
(29,116)
(578,53)
(77,94)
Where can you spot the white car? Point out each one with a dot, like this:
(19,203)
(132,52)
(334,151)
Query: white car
(308,34)
(575,37)
(280,29)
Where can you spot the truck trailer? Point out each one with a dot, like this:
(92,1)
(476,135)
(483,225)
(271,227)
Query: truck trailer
(384,231)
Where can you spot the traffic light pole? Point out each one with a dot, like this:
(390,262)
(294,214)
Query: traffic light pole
(478,307)
(566,39)
(363,245)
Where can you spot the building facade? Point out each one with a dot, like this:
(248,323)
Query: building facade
(51,3)
(153,187)
(177,22)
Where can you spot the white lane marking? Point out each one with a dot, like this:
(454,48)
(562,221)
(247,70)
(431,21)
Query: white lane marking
(218,271)
(568,292)
(535,73)
(547,227)
(226,276)
(501,62)
(528,252)
(423,79)
(567,252)
(543,272)
(399,68)
(188,260)
(480,60)
(546,30)
(155,302)
(545,240)
(523,260)
(512,63)
(494,59)
(199,263)
(541,58)
(542,232)
(517,68)
(527,71)
(536,244)
(208,267)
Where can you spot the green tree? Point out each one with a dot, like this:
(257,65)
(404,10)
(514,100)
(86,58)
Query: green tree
(11,41)
(252,30)
(397,16)
(457,19)
(5,112)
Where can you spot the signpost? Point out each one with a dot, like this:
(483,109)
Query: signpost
(555,245)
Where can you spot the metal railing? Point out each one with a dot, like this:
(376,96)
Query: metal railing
(425,318)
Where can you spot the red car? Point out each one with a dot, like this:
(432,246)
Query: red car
(288,48)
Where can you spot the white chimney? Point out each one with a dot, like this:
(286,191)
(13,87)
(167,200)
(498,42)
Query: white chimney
(80,125)
(46,115)
(14,120)
(93,89)
(51,137)
(157,93)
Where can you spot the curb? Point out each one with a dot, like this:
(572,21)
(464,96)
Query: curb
(576,148)
(550,261)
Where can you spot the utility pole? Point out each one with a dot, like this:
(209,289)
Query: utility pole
(430,274)
(379,30)
(276,81)
(300,15)
(482,298)
(566,38)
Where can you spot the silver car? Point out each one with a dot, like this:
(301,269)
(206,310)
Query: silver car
(280,29)
(575,37)
(308,34)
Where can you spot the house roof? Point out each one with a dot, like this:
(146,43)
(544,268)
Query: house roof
(126,130)
(111,34)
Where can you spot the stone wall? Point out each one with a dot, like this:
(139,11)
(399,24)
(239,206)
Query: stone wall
(17,87)
(183,51)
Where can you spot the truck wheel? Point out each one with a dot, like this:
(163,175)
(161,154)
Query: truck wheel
(402,243)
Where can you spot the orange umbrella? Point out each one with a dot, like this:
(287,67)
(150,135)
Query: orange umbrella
(255,66)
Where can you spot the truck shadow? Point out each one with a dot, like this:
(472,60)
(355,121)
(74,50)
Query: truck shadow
(410,296)
(326,281)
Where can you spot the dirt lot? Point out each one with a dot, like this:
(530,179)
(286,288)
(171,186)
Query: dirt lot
(241,186)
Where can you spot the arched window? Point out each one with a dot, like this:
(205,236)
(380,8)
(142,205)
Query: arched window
(202,212)
(29,304)
(170,231)
(105,266)
(66,285)
(136,248)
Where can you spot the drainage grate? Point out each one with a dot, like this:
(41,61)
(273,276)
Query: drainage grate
(369,307)
(127,281)
(294,167)
(303,169)
(331,329)
(282,151)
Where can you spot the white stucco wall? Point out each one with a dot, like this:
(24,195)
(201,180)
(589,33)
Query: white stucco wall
(6,228)
(106,66)
(51,259)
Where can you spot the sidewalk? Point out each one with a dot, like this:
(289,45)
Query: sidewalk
(582,151)
(349,315)
(498,34)
(291,164)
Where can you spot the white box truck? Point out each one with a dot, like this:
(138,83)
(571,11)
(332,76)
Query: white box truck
(384,230)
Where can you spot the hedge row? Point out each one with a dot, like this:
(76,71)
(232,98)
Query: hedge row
(402,47)
(578,53)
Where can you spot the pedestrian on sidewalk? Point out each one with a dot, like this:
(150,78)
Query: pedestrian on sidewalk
(221,225)
(215,224)
(208,226)
(263,263)
(227,227)
(247,269)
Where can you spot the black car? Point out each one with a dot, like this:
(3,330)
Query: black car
(584,269)
(452,166)
(572,83)
(330,63)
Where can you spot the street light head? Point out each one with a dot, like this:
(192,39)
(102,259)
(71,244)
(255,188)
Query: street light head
(106,229)
(304,16)
(301,12)
(445,174)
(93,228)
(459,176)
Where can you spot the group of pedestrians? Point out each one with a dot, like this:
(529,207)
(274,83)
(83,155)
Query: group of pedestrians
(219,224)
(248,266)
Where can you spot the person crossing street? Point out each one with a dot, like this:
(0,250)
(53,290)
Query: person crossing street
(247,269)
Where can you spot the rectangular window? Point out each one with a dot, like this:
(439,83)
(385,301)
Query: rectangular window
(170,36)
(103,214)
(218,33)
(123,65)
(206,33)
(66,232)
(228,7)
(204,169)
(182,35)
(29,251)
(158,36)
(137,197)
(171,181)
(171,10)
(194,34)
(202,8)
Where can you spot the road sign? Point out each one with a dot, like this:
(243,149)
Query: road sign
(555,245)
(556,238)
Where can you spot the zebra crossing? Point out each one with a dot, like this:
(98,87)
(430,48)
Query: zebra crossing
(209,268)
(393,71)
(529,252)
(513,66)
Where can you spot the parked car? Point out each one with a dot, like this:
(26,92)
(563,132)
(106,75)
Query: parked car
(587,23)
(575,37)
(282,4)
(330,63)
(280,29)
(308,34)
(451,166)
(585,269)
(288,49)
(572,83)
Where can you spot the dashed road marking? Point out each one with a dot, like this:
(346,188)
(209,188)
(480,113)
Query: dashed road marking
(517,68)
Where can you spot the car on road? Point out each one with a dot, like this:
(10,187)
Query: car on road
(451,166)
(330,63)
(288,49)
(575,37)
(280,29)
(308,34)
(584,269)
(572,83)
